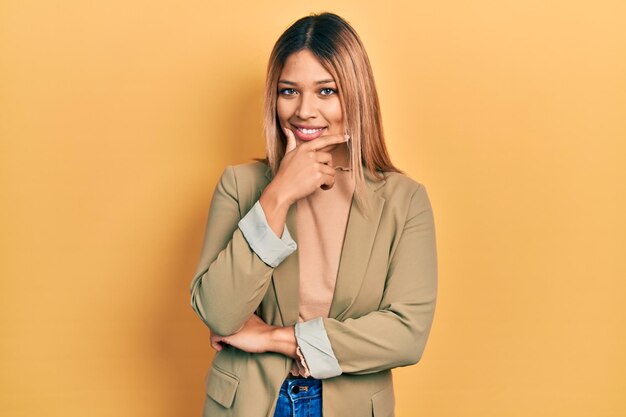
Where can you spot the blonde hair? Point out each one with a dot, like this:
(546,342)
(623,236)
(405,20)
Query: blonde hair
(340,51)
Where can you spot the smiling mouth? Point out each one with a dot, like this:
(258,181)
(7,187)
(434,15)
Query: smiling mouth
(306,134)
(310,131)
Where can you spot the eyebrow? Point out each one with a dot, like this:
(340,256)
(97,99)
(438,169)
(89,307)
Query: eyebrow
(329,80)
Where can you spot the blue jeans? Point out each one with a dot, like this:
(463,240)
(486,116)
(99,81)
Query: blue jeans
(300,397)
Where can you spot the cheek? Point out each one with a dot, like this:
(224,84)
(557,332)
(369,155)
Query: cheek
(333,110)
(283,110)
(334,114)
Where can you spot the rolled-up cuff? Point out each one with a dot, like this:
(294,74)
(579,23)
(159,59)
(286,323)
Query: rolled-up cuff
(300,367)
(316,348)
(270,248)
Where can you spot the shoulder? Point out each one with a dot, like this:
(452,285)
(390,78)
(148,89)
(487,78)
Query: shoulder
(249,169)
(249,177)
(404,194)
(398,184)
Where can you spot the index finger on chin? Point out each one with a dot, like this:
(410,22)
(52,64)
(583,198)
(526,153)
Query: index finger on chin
(327,140)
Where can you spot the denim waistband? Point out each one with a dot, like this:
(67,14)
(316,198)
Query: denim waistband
(301,387)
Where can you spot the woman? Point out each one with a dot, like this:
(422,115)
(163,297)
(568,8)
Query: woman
(314,328)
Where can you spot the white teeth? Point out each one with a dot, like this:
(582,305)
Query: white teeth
(309,131)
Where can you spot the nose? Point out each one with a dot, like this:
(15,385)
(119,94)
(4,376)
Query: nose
(306,107)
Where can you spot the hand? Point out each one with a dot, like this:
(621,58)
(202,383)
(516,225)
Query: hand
(305,168)
(253,337)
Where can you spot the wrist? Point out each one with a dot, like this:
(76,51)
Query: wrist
(272,199)
(283,340)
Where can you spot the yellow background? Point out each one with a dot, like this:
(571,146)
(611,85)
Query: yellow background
(117,117)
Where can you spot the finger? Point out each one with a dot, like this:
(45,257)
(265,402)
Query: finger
(328,177)
(324,141)
(291,140)
(327,170)
(324,158)
(215,343)
(328,182)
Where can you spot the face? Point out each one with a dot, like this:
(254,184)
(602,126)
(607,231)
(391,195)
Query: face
(308,100)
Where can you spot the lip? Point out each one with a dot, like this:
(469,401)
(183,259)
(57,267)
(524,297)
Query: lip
(307,137)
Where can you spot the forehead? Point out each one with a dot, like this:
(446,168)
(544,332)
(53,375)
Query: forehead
(304,67)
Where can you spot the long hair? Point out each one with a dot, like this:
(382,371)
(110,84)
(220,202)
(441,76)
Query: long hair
(340,51)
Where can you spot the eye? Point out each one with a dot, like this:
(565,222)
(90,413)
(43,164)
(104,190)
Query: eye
(287,91)
(328,91)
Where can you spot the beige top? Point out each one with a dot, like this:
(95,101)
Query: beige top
(321,219)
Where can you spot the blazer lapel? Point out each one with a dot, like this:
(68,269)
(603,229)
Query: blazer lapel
(357,246)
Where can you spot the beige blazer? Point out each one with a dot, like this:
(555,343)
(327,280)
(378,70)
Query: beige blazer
(381,312)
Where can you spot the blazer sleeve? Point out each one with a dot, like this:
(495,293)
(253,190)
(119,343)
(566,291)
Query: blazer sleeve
(395,334)
(231,278)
